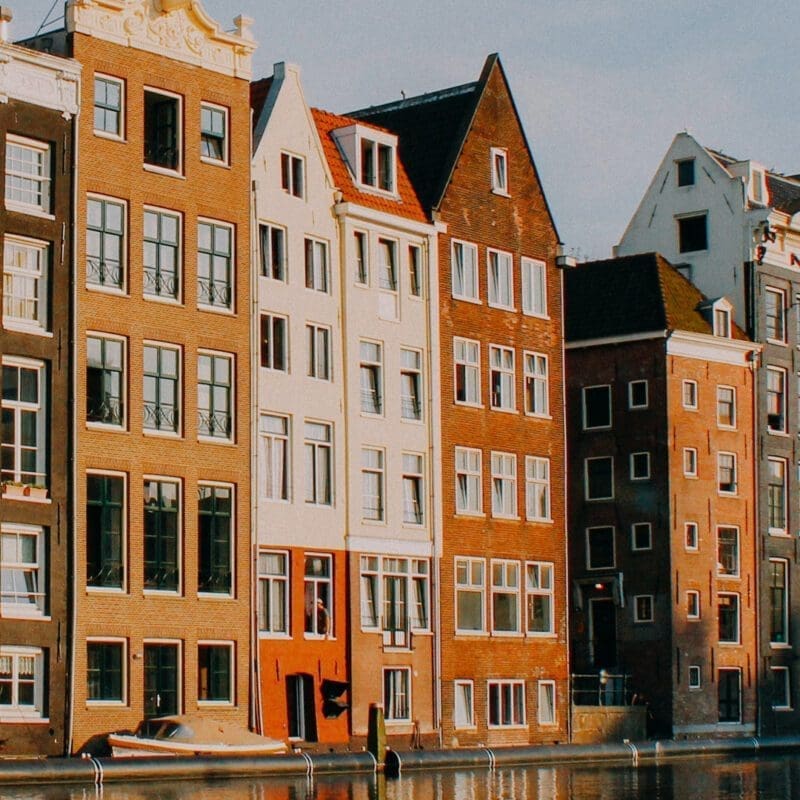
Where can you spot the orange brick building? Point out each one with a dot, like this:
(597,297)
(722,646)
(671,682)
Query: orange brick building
(660,401)
(162,391)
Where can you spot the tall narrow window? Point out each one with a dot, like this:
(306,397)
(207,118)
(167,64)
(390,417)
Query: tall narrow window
(272,240)
(465,270)
(777,490)
(726,406)
(318,595)
(689,392)
(215,265)
(318,446)
(292,171)
(499,159)
(105,380)
(23,590)
(22,679)
(371,372)
(470,594)
(537,488)
(778,601)
(360,246)
(105,671)
(215,383)
(274,432)
(776,400)
(536,384)
(25,284)
(685,172)
(161,392)
(540,597)
(501,281)
(214,133)
(415,270)
(468,481)
(28,175)
(600,552)
(215,538)
(464,706)
(108,106)
(274,342)
(370,592)
(372,484)
(273,593)
(410,384)
(504,485)
(637,394)
(546,691)
(728,552)
(466,360)
(161,545)
(105,243)
(161,254)
(318,341)
(599,478)
(162,130)
(596,407)
(726,473)
(397,694)
(501,377)
(534,287)
(413,497)
(775,315)
(214,673)
(387,264)
(505,596)
(105,530)
(728,615)
(377,165)
(316,254)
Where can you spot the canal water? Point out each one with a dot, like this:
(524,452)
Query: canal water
(767,778)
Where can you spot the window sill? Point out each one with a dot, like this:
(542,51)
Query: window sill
(778,342)
(24,718)
(774,432)
(507,634)
(600,499)
(316,637)
(283,637)
(520,727)
(639,479)
(32,211)
(44,501)
(537,415)
(726,427)
(169,593)
(535,315)
(780,646)
(169,173)
(540,520)
(103,426)
(115,291)
(8,613)
(542,635)
(690,408)
(506,517)
(214,162)
(476,634)
(504,410)
(412,420)
(779,533)
(465,299)
(722,493)
(176,302)
(162,434)
(500,307)
(117,590)
(474,514)
(31,330)
(500,193)
(106,704)
(597,428)
(215,704)
(227,312)
(216,440)
(730,644)
(374,523)
(464,404)
(219,596)
(111,137)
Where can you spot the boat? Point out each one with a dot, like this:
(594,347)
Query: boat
(192,735)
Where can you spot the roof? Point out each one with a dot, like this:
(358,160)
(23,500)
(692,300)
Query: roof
(632,294)
(258,96)
(407,203)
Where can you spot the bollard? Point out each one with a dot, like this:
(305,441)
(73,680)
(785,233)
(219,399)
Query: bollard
(376,734)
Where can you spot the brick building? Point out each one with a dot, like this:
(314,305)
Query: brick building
(37,116)
(660,399)
(502,589)
(162,342)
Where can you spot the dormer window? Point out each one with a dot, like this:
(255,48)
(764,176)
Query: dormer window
(721,318)
(371,156)
(499,158)
(377,165)
(685,170)
(757,184)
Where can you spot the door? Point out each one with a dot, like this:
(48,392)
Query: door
(300,707)
(603,632)
(160,679)
(730,695)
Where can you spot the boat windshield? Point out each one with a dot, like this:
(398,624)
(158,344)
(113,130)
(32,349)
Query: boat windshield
(157,729)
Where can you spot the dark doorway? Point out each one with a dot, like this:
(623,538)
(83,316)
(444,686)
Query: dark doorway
(160,679)
(300,707)
(730,695)
(603,632)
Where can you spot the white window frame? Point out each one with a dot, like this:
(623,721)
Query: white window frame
(689,395)
(203,304)
(780,295)
(205,105)
(38,184)
(32,284)
(387,264)
(123,372)
(402,692)
(505,397)
(692,604)
(416,271)
(319,356)
(786,614)
(465,458)
(731,467)
(103,284)
(537,489)
(787,683)
(689,462)
(179,143)
(370,366)
(361,250)
(632,405)
(413,489)
(414,572)
(470,370)
(373,472)
(516,696)
(776,401)
(498,157)
(547,702)
(634,466)
(117,641)
(315,581)
(586,425)
(471,587)
(273,348)
(540,584)
(180,536)
(158,296)
(695,536)
(464,705)
(274,583)
(119,135)
(500,279)
(534,287)
(504,485)
(32,601)
(536,383)
(411,405)
(735,570)
(695,678)
(321,451)
(271,262)
(124,525)
(377,143)
(289,181)
(586,461)
(231,436)
(645,613)
(721,400)
(230,646)
(317,271)
(738,639)
(506,582)
(644,526)
(467,286)
(276,452)
(16,712)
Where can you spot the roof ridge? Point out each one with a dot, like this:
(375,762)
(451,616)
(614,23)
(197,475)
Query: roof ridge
(417,100)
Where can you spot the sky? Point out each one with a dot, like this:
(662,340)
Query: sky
(602,86)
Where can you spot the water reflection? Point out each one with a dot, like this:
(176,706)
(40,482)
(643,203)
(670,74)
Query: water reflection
(769,778)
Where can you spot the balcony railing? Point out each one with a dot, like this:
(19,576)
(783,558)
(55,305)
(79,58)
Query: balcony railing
(601,689)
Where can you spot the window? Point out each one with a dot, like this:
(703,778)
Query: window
(534,287)
(161,537)
(316,255)
(539,598)
(415,270)
(370,592)
(536,384)
(599,478)
(318,338)
(395,600)
(23,589)
(23,434)
(506,704)
(274,432)
(504,485)
(685,171)
(272,241)
(690,395)
(596,407)
(777,490)
(692,604)
(410,384)
(413,496)
(500,277)
(546,691)
(600,548)
(397,694)
(470,594)
(726,473)
(694,676)
(501,378)
(641,536)
(105,381)
(537,488)
(214,133)
(726,406)
(691,536)
(728,609)
(465,271)
(214,673)
(215,265)
(377,165)
(161,388)
(109,97)
(372,484)
(722,321)
(387,583)
(105,531)
(387,264)
(643,608)
(25,284)
(466,356)
(778,601)
(690,462)
(274,342)
(319,463)
(776,400)
(775,315)
(215,395)
(215,538)
(692,233)
(361,246)
(637,394)
(273,593)
(464,705)
(318,595)
(161,258)
(640,466)
(371,370)
(728,552)
(105,671)
(22,682)
(292,171)
(499,157)
(781,689)
(28,175)
(468,481)
(505,596)
(729,684)
(105,243)
(162,130)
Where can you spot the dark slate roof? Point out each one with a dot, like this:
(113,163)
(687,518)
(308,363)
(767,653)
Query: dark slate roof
(631,294)
(431,129)
(258,96)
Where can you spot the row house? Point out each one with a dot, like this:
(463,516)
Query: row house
(733,228)
(502,665)
(161,336)
(40,99)
(660,398)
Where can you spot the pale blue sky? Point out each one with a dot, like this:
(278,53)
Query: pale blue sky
(602,85)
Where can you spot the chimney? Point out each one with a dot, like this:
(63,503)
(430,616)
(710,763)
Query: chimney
(6,16)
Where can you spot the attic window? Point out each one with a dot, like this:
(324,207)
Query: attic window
(685,170)
(499,158)
(758,186)
(722,322)
(692,233)
(377,165)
